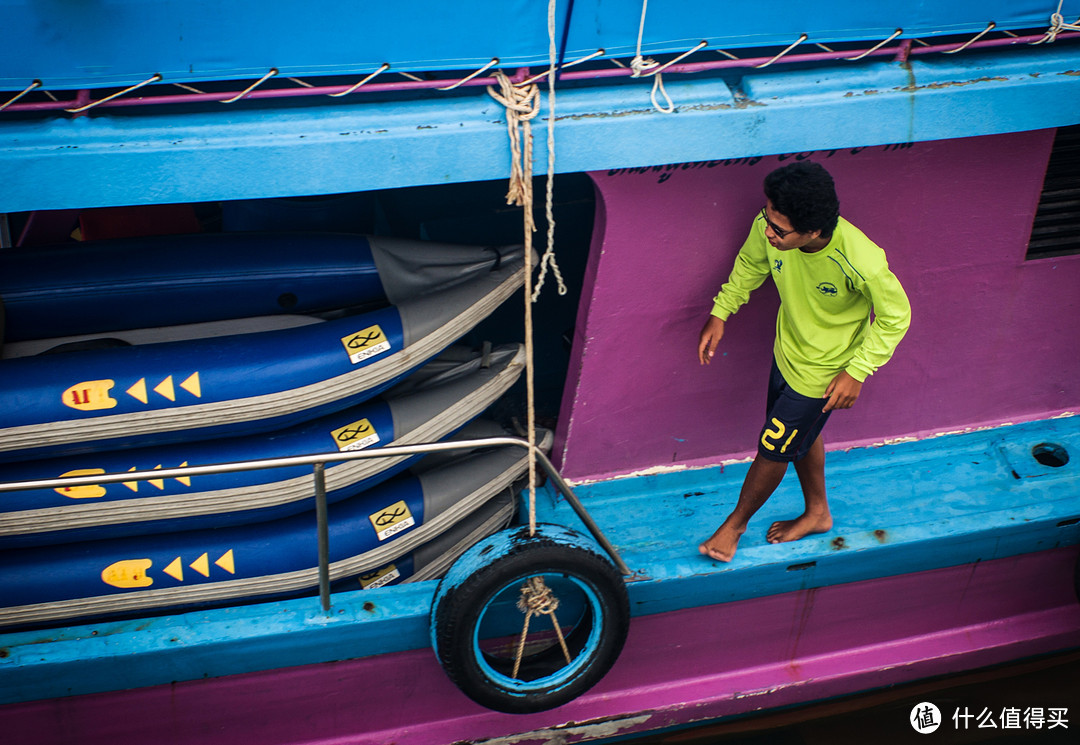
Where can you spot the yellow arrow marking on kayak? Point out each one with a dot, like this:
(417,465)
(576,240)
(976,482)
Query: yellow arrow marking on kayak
(201,565)
(160,483)
(127,573)
(175,570)
(226,562)
(165,388)
(82,492)
(138,391)
(185,480)
(133,485)
(192,385)
(89,395)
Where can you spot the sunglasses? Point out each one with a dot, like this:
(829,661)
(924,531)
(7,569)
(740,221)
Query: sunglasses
(780,232)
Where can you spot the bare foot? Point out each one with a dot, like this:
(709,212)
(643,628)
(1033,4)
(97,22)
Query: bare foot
(783,531)
(723,543)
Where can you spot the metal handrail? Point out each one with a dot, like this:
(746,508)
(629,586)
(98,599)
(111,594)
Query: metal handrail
(318,462)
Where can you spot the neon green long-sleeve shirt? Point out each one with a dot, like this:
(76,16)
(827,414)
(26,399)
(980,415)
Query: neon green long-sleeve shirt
(841,308)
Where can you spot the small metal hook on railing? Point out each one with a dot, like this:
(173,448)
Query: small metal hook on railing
(973,39)
(485,68)
(878,46)
(35,84)
(382,68)
(253,86)
(797,42)
(152,79)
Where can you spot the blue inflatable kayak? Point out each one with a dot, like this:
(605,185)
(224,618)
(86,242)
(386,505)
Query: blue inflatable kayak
(197,388)
(142,574)
(101,286)
(430,404)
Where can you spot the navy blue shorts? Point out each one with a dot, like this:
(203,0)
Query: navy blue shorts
(792,421)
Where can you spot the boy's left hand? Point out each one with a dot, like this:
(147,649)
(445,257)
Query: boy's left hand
(842,392)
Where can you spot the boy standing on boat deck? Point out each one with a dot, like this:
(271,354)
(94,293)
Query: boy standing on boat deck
(842,313)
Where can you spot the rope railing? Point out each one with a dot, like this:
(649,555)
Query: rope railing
(83,102)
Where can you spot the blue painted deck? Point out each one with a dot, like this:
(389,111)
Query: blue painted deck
(939,502)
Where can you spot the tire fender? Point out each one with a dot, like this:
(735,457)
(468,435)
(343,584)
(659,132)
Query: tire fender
(476,589)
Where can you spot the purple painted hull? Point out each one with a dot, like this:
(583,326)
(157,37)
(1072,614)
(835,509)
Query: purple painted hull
(724,660)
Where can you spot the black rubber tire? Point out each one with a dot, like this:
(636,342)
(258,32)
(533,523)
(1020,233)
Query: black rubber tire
(459,610)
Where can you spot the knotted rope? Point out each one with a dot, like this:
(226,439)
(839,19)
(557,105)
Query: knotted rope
(522,105)
(1057,25)
(641,66)
(537,599)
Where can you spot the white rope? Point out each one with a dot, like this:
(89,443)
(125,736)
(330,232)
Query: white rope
(548,259)
(873,49)
(973,39)
(534,78)
(152,79)
(1057,25)
(382,68)
(797,42)
(641,66)
(522,105)
(537,599)
(488,66)
(34,84)
(684,55)
(268,76)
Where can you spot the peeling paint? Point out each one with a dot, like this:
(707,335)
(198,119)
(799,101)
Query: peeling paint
(951,84)
(573,732)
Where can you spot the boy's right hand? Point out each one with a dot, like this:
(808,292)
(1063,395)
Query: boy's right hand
(710,337)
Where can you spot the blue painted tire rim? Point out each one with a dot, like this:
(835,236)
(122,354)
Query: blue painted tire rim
(567,672)
(476,626)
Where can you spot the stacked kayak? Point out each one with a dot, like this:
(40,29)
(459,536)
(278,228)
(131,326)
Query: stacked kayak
(258,347)
(432,403)
(86,288)
(376,537)
(226,383)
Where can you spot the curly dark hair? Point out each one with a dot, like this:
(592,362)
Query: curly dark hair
(805,194)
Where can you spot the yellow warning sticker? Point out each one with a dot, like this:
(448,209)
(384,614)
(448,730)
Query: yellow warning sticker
(127,573)
(355,436)
(89,395)
(392,520)
(90,491)
(379,577)
(365,343)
